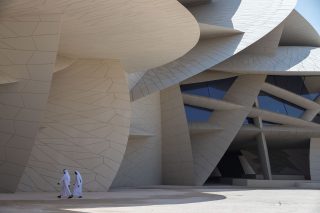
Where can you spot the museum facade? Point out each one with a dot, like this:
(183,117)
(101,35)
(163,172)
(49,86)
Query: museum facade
(139,93)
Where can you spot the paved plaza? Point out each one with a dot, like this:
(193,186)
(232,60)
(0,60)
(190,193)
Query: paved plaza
(175,200)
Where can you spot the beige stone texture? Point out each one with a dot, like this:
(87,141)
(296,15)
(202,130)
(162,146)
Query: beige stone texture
(27,56)
(177,160)
(85,127)
(142,160)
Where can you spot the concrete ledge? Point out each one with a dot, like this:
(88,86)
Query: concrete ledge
(308,185)
(252,183)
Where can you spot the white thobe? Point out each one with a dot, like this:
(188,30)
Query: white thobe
(77,190)
(65,183)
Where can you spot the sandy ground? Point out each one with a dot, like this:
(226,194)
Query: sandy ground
(175,200)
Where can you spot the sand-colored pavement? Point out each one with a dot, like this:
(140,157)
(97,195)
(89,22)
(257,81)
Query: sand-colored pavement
(169,199)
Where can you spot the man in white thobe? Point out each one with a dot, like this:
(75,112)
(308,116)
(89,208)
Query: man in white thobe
(65,185)
(77,190)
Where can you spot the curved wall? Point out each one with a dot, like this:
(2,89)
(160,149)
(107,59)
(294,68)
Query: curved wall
(251,20)
(85,127)
(142,160)
(27,55)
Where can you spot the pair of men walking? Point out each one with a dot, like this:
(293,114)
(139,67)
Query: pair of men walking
(65,185)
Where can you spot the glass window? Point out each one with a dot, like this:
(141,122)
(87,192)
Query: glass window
(269,123)
(197,114)
(293,84)
(316,119)
(214,89)
(277,105)
(248,121)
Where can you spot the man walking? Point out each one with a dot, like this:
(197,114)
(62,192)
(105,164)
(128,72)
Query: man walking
(77,190)
(65,185)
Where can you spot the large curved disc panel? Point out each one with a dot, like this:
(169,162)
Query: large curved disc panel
(117,29)
(299,32)
(249,16)
(286,61)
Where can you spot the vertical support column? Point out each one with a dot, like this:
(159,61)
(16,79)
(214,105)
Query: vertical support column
(28,50)
(247,168)
(208,149)
(177,160)
(257,120)
(315,158)
(264,156)
(141,164)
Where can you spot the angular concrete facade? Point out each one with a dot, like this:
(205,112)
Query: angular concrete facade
(138,93)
